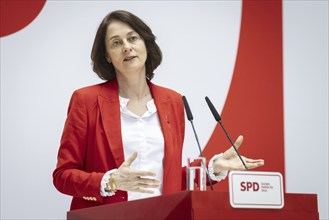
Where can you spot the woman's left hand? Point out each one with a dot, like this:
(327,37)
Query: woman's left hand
(231,161)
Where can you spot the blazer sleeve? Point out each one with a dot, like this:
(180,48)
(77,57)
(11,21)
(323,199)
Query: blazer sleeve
(70,176)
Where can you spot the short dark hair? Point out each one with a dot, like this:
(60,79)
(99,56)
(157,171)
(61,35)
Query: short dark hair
(106,70)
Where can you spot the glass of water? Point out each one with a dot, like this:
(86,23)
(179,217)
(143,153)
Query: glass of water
(196,174)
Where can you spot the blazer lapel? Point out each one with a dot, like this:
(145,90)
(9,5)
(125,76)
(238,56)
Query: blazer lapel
(162,102)
(110,113)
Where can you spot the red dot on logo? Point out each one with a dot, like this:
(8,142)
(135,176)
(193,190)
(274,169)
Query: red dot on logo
(17,14)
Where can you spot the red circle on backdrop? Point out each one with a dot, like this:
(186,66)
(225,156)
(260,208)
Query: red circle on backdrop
(17,14)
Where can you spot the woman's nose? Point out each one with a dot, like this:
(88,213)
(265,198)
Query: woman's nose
(126,47)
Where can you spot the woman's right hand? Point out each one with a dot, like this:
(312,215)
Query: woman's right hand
(127,179)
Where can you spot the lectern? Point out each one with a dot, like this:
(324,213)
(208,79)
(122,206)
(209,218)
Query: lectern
(199,205)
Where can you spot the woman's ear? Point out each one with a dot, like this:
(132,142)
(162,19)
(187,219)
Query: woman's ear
(108,59)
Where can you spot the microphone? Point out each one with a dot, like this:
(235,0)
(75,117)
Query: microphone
(218,119)
(190,118)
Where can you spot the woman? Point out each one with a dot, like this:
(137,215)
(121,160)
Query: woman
(123,138)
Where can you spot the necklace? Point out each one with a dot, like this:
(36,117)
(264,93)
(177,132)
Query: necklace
(139,98)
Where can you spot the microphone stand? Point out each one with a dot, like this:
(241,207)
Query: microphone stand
(190,118)
(218,119)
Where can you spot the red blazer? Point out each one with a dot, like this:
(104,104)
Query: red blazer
(91,143)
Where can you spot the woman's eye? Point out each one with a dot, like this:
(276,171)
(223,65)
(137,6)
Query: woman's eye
(133,38)
(115,43)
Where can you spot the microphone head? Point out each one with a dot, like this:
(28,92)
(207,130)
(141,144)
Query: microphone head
(187,109)
(213,110)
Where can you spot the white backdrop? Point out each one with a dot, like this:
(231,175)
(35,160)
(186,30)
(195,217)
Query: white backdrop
(42,64)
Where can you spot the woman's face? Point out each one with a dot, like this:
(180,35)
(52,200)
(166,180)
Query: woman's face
(125,48)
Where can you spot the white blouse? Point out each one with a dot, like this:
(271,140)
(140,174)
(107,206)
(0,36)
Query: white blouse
(142,134)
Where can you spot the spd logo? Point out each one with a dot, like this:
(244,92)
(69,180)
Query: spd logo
(249,186)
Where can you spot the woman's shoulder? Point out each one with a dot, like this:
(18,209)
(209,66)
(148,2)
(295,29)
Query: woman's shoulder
(88,94)
(89,90)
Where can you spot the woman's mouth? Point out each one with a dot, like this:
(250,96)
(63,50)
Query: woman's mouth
(129,58)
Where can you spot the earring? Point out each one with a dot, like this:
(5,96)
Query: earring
(108,60)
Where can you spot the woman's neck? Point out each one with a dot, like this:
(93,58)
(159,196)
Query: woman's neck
(133,87)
